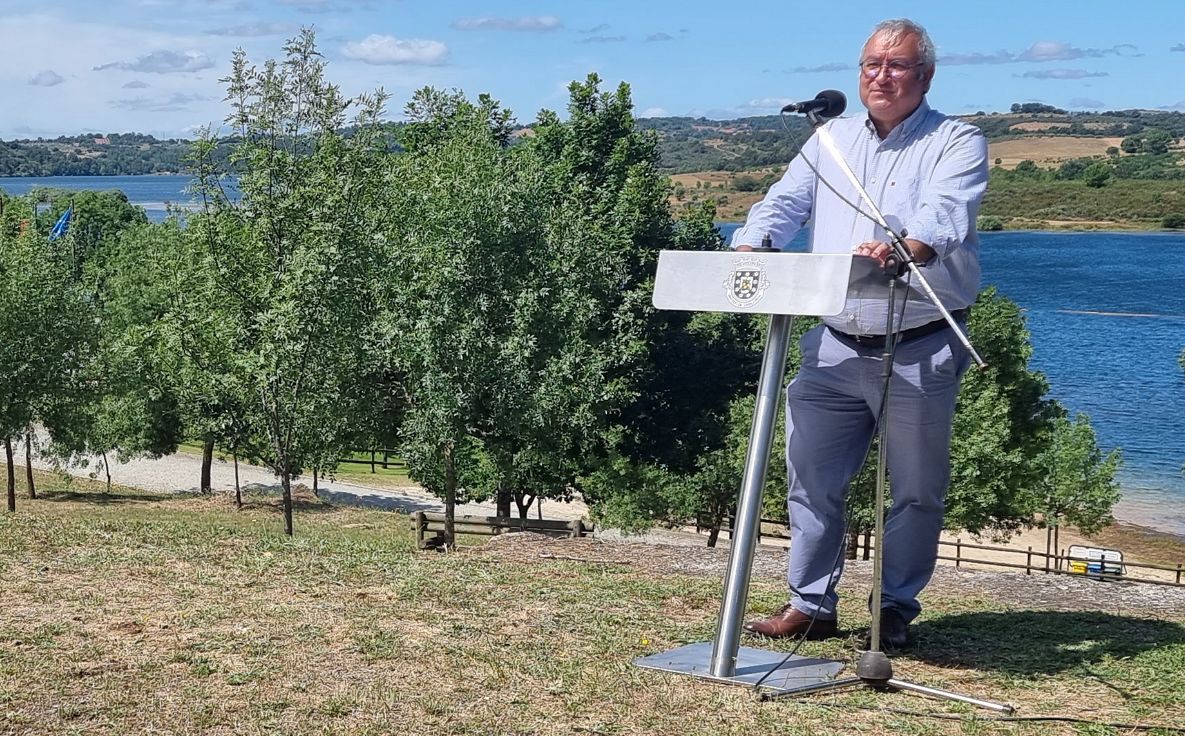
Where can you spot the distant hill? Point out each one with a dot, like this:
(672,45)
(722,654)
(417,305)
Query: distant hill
(92,154)
(686,144)
(698,144)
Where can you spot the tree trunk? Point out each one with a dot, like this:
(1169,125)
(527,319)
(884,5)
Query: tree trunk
(450,498)
(207,463)
(867,544)
(1048,544)
(1057,540)
(523,502)
(29,465)
(503,502)
(853,544)
(713,534)
(11,474)
(286,483)
(314,481)
(238,493)
(107,470)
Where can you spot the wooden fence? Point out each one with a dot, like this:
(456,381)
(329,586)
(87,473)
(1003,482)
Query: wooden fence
(431,522)
(1053,563)
(389,459)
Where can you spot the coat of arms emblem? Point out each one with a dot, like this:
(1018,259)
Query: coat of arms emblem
(747,283)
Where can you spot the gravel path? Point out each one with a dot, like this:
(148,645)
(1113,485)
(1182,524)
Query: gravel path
(180,473)
(1012,589)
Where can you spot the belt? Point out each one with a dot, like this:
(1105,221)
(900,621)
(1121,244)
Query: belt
(913,333)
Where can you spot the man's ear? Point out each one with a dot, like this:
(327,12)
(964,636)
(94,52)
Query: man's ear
(927,76)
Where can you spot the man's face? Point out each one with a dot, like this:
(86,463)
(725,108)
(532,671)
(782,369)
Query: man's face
(890,101)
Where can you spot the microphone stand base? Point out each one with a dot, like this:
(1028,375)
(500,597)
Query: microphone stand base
(751,666)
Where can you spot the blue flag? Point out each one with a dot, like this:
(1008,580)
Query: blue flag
(63,224)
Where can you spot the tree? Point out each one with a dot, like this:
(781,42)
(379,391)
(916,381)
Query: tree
(288,266)
(1096,175)
(463,239)
(45,328)
(1076,483)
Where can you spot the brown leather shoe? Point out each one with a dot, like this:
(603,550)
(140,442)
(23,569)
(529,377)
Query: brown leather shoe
(789,621)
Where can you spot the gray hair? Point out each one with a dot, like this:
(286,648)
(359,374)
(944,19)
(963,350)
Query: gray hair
(895,29)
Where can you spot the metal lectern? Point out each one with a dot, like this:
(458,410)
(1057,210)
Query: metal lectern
(781,285)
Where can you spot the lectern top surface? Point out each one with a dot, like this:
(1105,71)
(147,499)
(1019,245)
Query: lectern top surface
(760,283)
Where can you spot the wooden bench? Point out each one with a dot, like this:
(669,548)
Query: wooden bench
(431,522)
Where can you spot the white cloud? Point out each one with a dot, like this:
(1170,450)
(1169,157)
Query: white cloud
(1061,74)
(1086,103)
(534,23)
(654,112)
(248,30)
(163,62)
(765,105)
(136,84)
(46,78)
(660,36)
(603,39)
(380,49)
(832,67)
(176,102)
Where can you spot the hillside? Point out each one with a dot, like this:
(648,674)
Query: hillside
(686,144)
(698,144)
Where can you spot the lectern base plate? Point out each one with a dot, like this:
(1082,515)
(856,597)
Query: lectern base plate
(752,665)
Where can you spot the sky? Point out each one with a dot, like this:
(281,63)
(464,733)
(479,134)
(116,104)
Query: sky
(153,66)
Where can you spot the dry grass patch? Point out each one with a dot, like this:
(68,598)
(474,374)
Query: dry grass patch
(186,616)
(1047,151)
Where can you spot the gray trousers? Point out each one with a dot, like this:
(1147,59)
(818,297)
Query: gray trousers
(831,406)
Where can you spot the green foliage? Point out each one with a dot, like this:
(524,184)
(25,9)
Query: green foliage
(46,327)
(989,223)
(1173,222)
(1076,483)
(92,155)
(746,183)
(1028,170)
(285,273)
(1035,108)
(1096,175)
(1122,199)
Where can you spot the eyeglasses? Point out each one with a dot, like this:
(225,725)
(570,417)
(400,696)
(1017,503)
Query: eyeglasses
(896,69)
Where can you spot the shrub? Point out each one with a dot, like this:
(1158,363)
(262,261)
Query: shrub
(1173,222)
(988,223)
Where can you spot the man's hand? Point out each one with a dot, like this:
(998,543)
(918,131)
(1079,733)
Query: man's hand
(922,253)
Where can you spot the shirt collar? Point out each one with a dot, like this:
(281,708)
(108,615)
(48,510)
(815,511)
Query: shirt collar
(907,126)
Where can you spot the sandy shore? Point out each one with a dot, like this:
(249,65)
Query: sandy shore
(1139,545)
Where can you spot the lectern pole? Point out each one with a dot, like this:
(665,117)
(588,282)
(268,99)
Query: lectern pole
(748,515)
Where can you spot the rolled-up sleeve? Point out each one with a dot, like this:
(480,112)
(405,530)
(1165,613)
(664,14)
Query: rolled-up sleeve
(946,212)
(785,208)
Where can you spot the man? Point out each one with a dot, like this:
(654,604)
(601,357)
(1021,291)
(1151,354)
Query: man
(928,173)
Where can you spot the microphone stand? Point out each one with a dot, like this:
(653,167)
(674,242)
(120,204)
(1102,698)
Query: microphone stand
(873,668)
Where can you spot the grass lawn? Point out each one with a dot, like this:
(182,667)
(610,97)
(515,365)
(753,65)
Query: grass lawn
(134,613)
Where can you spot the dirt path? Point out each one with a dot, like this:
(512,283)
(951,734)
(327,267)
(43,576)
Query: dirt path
(180,473)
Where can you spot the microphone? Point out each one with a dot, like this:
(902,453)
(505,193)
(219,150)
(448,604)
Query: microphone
(829,103)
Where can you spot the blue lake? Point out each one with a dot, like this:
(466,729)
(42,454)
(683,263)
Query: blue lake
(1106,312)
(153,193)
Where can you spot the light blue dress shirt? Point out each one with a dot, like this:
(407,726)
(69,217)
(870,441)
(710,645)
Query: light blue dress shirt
(927,176)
